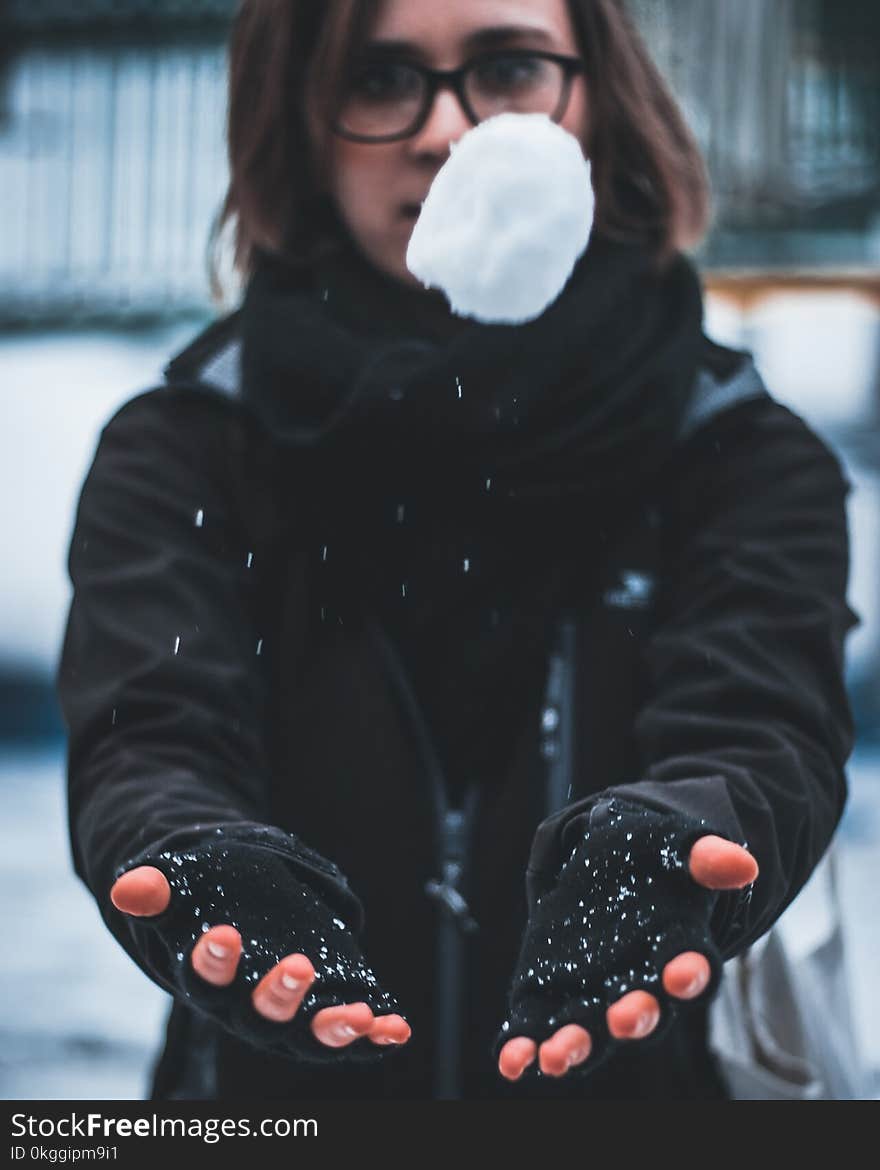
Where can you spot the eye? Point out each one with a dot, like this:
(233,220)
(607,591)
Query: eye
(509,74)
(384,81)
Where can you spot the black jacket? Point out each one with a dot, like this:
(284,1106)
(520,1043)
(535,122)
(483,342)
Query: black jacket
(197,688)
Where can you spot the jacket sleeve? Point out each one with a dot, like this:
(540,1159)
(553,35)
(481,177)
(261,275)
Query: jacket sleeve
(747,722)
(161,678)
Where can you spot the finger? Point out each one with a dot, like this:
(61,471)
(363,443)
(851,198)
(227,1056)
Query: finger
(633,1016)
(340,1026)
(568,1046)
(516,1056)
(390,1029)
(143,892)
(215,956)
(280,992)
(720,864)
(686,975)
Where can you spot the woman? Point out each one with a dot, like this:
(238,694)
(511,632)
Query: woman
(318,576)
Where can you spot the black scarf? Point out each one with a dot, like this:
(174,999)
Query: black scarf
(450,467)
(579,400)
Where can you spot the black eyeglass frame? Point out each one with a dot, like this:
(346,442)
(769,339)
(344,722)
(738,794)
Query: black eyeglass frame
(454,79)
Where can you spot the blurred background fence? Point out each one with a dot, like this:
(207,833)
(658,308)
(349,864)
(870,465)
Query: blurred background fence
(112,169)
(112,158)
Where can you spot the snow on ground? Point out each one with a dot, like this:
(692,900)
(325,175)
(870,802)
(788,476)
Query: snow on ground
(78,1019)
(58,390)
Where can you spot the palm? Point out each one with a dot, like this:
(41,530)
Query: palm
(715,863)
(144,891)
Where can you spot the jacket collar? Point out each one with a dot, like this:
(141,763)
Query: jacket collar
(212,362)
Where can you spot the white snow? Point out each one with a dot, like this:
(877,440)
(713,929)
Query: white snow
(506,219)
(58,390)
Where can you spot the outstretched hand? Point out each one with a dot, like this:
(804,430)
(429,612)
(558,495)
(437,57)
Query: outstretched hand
(713,862)
(144,892)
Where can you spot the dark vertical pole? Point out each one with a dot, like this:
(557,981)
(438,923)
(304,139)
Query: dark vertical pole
(455,923)
(558,717)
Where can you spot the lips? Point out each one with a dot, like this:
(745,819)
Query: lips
(411,210)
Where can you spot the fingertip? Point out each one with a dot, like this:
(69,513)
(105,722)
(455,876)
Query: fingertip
(299,967)
(360,1016)
(392,1029)
(633,1016)
(551,1062)
(569,1046)
(516,1056)
(342,1024)
(754,869)
(720,864)
(510,1070)
(216,955)
(142,892)
(687,975)
(224,935)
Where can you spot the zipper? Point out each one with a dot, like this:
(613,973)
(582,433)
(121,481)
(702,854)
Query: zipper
(447,892)
(453,829)
(558,718)
(452,837)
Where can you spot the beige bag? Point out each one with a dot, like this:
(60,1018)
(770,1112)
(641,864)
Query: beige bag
(781,1024)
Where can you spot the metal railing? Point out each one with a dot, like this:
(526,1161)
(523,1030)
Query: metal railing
(784,97)
(48,16)
(112,166)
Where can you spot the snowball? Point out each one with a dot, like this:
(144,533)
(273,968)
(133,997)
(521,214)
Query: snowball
(506,219)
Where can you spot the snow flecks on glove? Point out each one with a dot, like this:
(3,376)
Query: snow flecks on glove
(258,891)
(188,874)
(622,906)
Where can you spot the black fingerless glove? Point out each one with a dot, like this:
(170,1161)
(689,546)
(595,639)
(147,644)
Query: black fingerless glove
(283,898)
(622,905)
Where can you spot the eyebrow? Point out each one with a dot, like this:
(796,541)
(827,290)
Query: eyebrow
(484,38)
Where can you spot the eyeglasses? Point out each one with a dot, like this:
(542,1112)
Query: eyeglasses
(385,101)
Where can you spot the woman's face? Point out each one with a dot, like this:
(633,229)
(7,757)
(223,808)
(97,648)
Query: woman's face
(371,183)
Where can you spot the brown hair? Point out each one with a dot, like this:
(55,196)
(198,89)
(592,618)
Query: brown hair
(648,174)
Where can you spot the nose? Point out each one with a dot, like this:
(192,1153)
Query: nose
(446,123)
